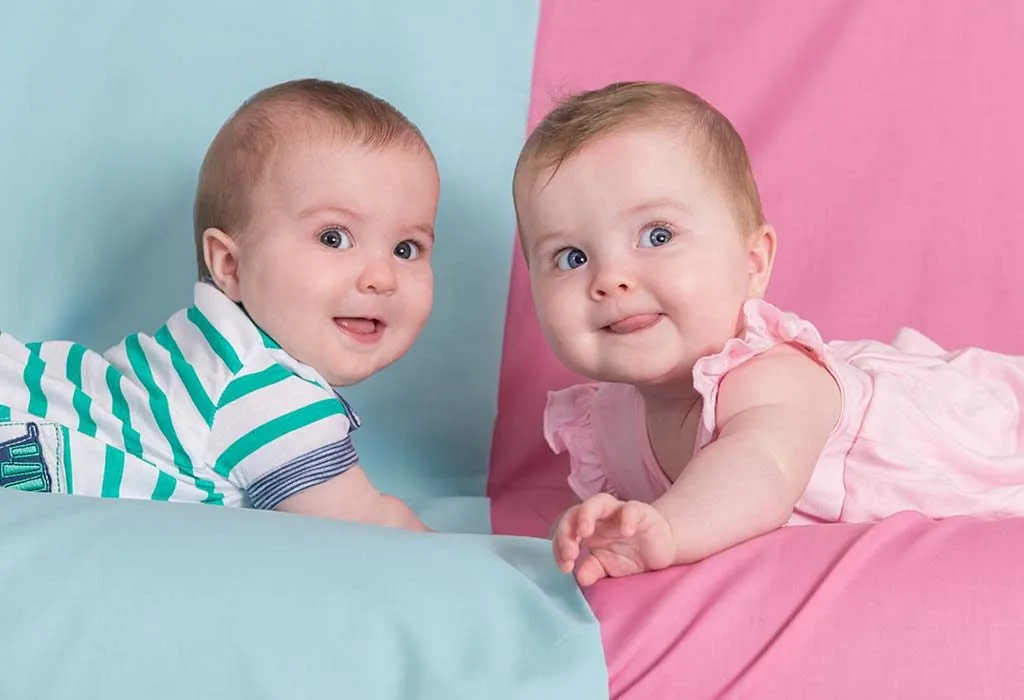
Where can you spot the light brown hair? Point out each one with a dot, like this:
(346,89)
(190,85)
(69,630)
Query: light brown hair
(236,161)
(589,116)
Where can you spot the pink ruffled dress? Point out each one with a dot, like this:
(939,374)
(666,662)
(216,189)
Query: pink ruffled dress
(924,429)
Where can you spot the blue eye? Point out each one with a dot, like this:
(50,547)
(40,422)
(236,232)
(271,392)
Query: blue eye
(570,259)
(335,238)
(407,250)
(655,236)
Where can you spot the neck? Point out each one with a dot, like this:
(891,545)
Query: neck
(674,397)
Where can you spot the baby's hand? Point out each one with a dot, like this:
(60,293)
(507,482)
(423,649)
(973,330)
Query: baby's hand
(624,538)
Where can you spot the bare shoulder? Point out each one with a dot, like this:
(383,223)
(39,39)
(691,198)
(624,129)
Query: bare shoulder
(787,377)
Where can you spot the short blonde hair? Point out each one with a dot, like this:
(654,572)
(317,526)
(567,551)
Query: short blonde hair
(236,161)
(589,116)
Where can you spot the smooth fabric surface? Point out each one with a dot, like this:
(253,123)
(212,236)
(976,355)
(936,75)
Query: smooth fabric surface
(128,599)
(110,105)
(886,140)
(887,145)
(907,608)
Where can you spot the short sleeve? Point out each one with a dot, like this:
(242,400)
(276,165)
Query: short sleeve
(275,434)
(764,327)
(568,428)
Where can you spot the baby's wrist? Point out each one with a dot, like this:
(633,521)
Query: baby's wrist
(675,530)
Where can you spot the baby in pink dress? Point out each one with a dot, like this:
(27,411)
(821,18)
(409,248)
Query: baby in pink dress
(714,417)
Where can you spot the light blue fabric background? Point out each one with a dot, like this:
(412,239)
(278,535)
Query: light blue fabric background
(110,600)
(109,105)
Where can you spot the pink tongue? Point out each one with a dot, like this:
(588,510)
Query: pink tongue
(633,323)
(359,326)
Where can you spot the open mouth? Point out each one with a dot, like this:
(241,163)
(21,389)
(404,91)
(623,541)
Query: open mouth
(632,324)
(362,328)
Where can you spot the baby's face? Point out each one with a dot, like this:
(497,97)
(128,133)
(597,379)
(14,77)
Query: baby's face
(336,262)
(637,266)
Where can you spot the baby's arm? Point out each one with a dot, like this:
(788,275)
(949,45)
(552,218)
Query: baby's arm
(351,496)
(775,414)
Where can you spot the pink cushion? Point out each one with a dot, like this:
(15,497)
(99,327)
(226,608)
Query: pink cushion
(887,140)
(907,608)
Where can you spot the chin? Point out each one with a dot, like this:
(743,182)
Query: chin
(641,376)
(341,382)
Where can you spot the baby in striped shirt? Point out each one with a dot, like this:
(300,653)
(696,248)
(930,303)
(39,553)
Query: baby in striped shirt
(314,219)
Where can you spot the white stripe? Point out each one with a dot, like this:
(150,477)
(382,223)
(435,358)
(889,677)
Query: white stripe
(155,446)
(87,459)
(212,373)
(59,391)
(13,356)
(229,320)
(189,425)
(253,410)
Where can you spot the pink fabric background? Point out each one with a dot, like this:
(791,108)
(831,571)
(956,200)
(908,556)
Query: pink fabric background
(908,608)
(887,142)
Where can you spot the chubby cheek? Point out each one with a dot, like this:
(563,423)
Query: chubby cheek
(418,299)
(562,322)
(557,301)
(292,299)
(548,307)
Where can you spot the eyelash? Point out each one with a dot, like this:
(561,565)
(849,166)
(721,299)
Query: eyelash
(332,227)
(657,224)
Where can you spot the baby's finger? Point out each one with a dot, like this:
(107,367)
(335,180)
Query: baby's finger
(590,571)
(562,559)
(567,549)
(594,509)
(569,526)
(566,539)
(630,518)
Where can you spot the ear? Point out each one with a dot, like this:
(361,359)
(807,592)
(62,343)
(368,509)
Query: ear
(760,259)
(220,252)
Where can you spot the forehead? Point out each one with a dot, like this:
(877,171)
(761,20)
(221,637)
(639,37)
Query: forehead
(616,171)
(331,167)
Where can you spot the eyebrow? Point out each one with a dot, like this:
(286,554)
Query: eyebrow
(541,241)
(321,208)
(427,231)
(659,203)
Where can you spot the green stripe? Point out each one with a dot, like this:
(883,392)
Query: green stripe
(69,482)
(79,399)
(272,430)
(162,412)
(248,383)
(218,343)
(187,374)
(113,472)
(5,414)
(119,407)
(33,377)
(164,489)
(268,342)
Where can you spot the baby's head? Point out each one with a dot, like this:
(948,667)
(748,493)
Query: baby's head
(315,211)
(642,228)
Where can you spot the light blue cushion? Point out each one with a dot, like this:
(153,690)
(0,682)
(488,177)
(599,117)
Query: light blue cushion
(131,599)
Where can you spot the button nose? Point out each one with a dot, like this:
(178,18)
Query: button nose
(610,282)
(378,277)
